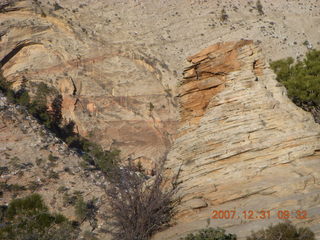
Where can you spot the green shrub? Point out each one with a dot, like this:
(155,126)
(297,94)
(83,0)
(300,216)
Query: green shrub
(301,79)
(86,211)
(20,97)
(306,43)
(38,107)
(29,218)
(94,154)
(283,231)
(81,208)
(4,84)
(210,234)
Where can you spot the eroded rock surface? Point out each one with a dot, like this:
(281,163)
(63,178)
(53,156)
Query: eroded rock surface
(242,145)
(117,95)
(241,142)
(116,62)
(32,160)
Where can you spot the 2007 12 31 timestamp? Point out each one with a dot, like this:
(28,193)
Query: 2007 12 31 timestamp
(261,214)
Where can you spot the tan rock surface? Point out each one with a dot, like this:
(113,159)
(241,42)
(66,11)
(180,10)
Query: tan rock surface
(122,55)
(33,160)
(250,147)
(242,143)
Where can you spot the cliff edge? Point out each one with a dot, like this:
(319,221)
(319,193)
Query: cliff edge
(242,145)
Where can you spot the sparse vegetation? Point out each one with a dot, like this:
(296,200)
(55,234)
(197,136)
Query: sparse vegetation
(307,44)
(280,231)
(52,118)
(94,154)
(53,175)
(224,16)
(12,187)
(210,234)
(302,80)
(86,211)
(81,208)
(259,7)
(29,218)
(283,231)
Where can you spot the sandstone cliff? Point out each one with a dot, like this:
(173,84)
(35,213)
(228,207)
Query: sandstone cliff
(242,144)
(118,97)
(113,60)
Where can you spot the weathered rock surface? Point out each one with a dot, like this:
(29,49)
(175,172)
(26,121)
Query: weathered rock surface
(34,160)
(242,145)
(111,59)
(117,96)
(241,142)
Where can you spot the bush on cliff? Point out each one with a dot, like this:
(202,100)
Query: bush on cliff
(210,234)
(283,231)
(38,107)
(20,97)
(29,218)
(302,80)
(52,119)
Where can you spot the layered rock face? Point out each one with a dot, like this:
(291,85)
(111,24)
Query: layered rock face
(242,145)
(241,142)
(116,62)
(117,96)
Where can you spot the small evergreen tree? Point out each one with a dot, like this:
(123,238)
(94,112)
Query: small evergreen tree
(302,81)
(56,113)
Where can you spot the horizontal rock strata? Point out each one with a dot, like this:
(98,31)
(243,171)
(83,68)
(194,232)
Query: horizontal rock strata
(242,145)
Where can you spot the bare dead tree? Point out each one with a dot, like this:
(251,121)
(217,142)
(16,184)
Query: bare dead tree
(140,207)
